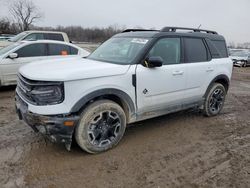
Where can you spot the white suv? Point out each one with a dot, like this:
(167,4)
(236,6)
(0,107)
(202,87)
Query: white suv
(135,75)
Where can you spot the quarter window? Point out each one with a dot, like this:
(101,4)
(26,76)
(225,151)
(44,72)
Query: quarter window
(195,50)
(221,47)
(168,49)
(73,51)
(54,36)
(32,50)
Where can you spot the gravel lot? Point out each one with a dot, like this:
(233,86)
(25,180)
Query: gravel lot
(182,149)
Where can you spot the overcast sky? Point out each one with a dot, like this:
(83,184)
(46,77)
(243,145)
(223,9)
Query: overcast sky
(230,18)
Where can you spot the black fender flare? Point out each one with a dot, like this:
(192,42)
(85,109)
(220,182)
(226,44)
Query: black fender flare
(124,97)
(219,77)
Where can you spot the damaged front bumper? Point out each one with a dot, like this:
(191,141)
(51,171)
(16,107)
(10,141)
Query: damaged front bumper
(57,128)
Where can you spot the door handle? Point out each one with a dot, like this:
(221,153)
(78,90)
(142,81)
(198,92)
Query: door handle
(210,69)
(175,73)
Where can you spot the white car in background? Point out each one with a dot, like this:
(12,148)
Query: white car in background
(14,56)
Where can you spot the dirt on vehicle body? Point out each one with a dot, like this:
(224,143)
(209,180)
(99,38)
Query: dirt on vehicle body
(183,149)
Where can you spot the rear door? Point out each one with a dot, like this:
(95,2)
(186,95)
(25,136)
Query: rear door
(26,54)
(162,87)
(199,68)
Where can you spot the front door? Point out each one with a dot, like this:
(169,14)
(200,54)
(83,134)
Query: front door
(162,87)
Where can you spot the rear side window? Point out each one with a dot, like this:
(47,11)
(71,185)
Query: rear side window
(54,36)
(168,49)
(59,49)
(32,50)
(195,50)
(221,47)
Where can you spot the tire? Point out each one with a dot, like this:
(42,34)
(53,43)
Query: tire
(101,127)
(214,100)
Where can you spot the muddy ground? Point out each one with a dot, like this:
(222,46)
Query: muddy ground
(183,149)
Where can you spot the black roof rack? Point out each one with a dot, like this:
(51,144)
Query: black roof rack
(135,30)
(173,29)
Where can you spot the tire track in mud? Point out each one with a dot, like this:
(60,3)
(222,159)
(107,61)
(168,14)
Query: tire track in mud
(14,141)
(178,150)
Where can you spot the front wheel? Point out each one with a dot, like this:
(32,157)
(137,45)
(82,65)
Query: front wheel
(214,100)
(101,127)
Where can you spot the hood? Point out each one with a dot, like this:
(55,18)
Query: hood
(70,69)
(5,43)
(239,57)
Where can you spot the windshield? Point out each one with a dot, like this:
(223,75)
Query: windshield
(18,37)
(119,50)
(9,48)
(240,54)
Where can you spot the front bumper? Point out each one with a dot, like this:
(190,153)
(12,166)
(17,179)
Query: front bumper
(52,127)
(238,63)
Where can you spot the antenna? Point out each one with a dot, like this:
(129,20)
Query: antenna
(199,26)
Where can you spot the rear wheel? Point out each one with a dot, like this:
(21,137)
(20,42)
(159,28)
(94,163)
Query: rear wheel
(214,100)
(101,127)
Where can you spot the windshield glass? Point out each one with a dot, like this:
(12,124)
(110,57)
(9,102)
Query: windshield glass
(18,37)
(119,50)
(240,54)
(9,48)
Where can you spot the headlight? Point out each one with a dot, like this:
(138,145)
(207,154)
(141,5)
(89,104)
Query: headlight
(48,95)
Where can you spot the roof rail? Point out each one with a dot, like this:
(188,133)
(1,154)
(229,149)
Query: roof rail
(135,30)
(173,29)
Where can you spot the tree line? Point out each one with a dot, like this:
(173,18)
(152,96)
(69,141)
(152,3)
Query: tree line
(24,14)
(75,33)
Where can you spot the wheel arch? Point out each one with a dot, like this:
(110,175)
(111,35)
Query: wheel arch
(115,95)
(222,79)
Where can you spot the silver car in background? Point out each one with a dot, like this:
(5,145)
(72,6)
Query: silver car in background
(241,58)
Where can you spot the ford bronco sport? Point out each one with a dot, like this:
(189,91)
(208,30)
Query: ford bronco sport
(135,75)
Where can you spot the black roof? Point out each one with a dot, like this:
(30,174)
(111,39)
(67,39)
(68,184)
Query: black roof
(171,31)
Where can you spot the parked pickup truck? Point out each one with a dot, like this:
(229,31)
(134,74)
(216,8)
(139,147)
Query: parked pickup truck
(36,35)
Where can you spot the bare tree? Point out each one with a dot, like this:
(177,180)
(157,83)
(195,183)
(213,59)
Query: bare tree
(25,13)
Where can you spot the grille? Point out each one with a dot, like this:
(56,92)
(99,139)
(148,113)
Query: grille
(24,87)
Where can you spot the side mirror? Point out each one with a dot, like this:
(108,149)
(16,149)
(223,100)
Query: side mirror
(13,55)
(152,62)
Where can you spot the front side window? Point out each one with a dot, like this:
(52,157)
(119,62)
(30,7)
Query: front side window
(168,49)
(59,49)
(34,36)
(119,50)
(195,50)
(32,50)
